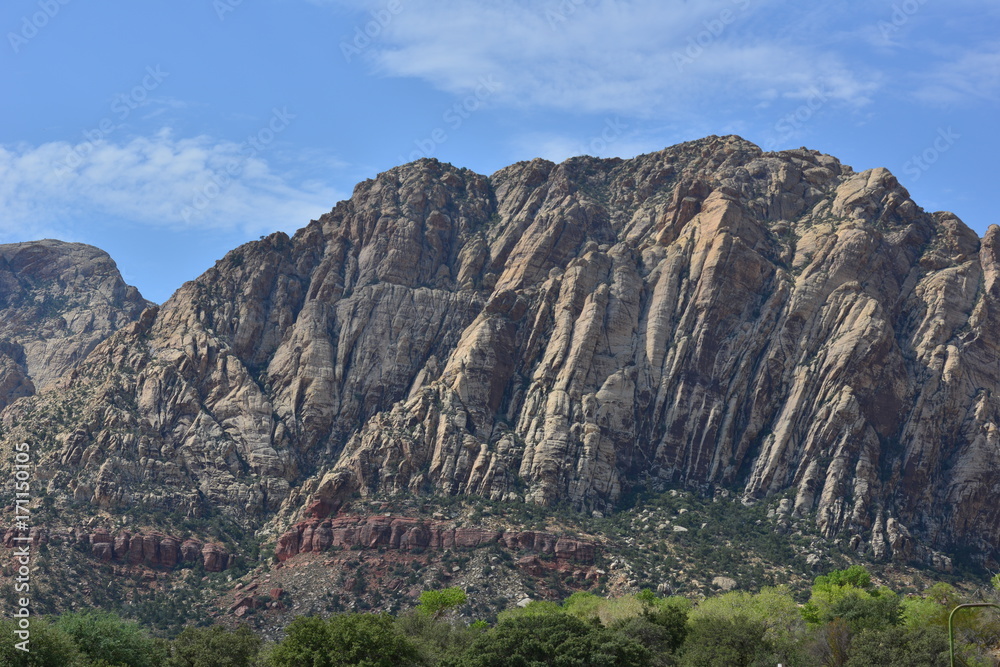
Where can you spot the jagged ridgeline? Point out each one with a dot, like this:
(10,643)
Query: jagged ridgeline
(708,315)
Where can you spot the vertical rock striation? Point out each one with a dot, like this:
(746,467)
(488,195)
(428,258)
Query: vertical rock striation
(711,315)
(57,302)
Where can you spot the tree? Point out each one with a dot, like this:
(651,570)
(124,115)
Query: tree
(439,602)
(661,641)
(849,594)
(306,643)
(214,646)
(773,608)
(933,607)
(856,576)
(103,636)
(533,608)
(583,605)
(736,641)
(50,646)
(899,647)
(868,612)
(363,640)
(438,639)
(671,614)
(552,639)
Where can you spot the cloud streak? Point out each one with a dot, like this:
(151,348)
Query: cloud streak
(972,76)
(149,180)
(641,57)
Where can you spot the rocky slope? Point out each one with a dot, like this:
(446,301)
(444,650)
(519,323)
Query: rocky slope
(710,315)
(57,302)
(150,549)
(412,534)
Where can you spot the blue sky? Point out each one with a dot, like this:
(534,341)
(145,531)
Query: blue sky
(169,132)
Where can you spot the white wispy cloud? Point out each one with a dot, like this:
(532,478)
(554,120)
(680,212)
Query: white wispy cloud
(157,180)
(636,57)
(971,76)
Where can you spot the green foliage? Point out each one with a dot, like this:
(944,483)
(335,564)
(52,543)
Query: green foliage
(552,639)
(214,646)
(365,640)
(307,643)
(49,646)
(868,612)
(774,607)
(671,614)
(646,596)
(851,622)
(856,576)
(975,628)
(933,607)
(736,640)
(850,595)
(438,639)
(439,602)
(773,610)
(583,605)
(661,641)
(617,609)
(105,636)
(900,647)
(532,609)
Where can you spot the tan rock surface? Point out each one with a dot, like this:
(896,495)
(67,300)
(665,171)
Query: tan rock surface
(708,315)
(57,302)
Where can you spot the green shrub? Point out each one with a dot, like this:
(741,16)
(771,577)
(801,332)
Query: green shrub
(552,639)
(364,640)
(105,636)
(214,646)
(899,647)
(49,646)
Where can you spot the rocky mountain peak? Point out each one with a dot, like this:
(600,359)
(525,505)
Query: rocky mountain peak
(710,316)
(57,302)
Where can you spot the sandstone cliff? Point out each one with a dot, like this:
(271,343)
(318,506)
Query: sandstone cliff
(406,533)
(57,302)
(711,315)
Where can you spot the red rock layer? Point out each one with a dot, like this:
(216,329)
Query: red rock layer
(153,549)
(409,533)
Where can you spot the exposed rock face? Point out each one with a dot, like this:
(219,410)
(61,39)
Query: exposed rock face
(152,549)
(346,532)
(57,302)
(709,315)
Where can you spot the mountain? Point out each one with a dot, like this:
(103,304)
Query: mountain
(57,302)
(710,317)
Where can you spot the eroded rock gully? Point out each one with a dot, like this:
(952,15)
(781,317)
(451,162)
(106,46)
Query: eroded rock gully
(707,315)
